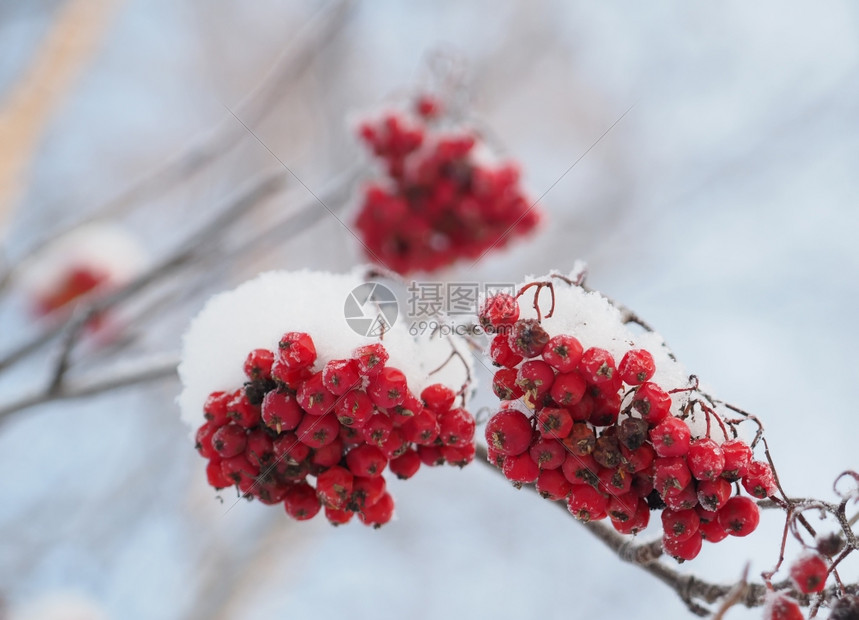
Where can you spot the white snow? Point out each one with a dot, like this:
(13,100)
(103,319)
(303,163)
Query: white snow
(59,605)
(258,312)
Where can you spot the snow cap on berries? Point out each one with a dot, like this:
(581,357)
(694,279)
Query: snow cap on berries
(256,315)
(102,248)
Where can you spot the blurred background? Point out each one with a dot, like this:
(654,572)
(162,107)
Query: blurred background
(722,208)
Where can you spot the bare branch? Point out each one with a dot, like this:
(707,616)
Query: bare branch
(144,370)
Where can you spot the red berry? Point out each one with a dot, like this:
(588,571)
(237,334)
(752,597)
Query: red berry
(780,607)
(553,485)
(639,520)
(377,430)
(379,513)
(509,432)
(203,440)
(684,499)
(296,349)
(606,409)
(406,465)
(683,549)
(334,487)
(289,377)
(739,516)
(504,384)
(340,376)
(430,455)
(680,524)
(652,402)
(257,365)
(586,503)
(288,447)
(239,470)
(259,449)
(636,367)
(706,459)
(371,359)
(501,354)
(280,411)
(366,460)
(354,409)
(438,397)
(328,456)
(387,388)
(318,431)
(215,408)
(338,517)
(581,470)
(568,389)
(671,437)
(670,474)
(581,440)
(563,353)
(554,423)
(366,491)
(639,459)
(597,366)
(614,481)
(422,428)
(428,106)
(759,480)
(809,573)
(241,411)
(527,338)
(394,445)
(456,427)
(229,441)
(621,508)
(314,397)
(712,494)
(738,455)
(301,502)
(535,378)
(497,310)
(548,453)
(458,455)
(215,475)
(632,433)
(709,526)
(520,468)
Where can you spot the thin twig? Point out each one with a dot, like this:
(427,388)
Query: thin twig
(144,370)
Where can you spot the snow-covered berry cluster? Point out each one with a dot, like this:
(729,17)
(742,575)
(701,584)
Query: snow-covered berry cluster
(91,259)
(596,429)
(438,202)
(316,419)
(343,424)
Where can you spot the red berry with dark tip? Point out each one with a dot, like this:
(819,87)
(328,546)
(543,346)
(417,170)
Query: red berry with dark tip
(216,477)
(568,389)
(406,465)
(780,607)
(366,460)
(505,386)
(334,487)
(671,437)
(497,310)
(456,427)
(280,411)
(387,388)
(563,353)
(759,480)
(215,408)
(229,441)
(257,365)
(371,359)
(739,516)
(683,549)
(509,432)
(340,376)
(651,402)
(809,573)
(301,502)
(241,411)
(527,338)
(553,485)
(597,366)
(554,423)
(379,513)
(636,367)
(706,459)
(712,494)
(738,455)
(587,504)
(438,397)
(318,431)
(520,468)
(680,524)
(296,349)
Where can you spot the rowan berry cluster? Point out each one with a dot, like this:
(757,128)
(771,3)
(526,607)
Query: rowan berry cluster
(319,437)
(601,436)
(437,203)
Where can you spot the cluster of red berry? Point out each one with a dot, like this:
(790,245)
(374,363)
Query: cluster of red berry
(342,424)
(600,436)
(438,204)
